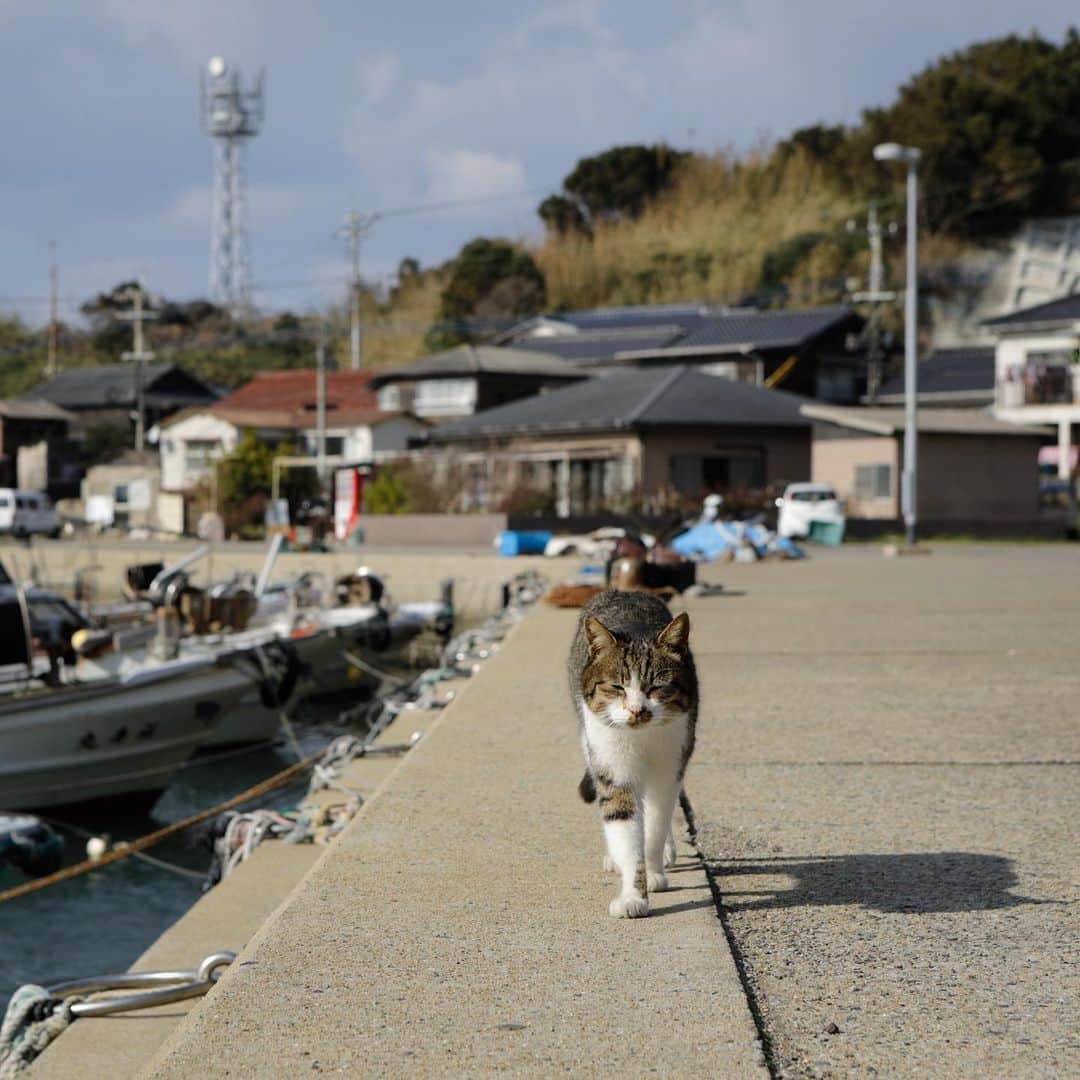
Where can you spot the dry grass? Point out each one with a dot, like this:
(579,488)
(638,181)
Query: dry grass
(394,332)
(705,238)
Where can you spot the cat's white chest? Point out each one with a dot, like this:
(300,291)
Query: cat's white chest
(634,754)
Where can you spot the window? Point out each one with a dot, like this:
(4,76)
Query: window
(199,453)
(120,494)
(446,397)
(698,474)
(390,398)
(873,481)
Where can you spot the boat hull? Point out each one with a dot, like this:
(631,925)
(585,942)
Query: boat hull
(124,737)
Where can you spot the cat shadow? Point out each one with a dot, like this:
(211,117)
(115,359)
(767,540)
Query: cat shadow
(910,884)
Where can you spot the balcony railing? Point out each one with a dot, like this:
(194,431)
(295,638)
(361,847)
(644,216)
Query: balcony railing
(1043,384)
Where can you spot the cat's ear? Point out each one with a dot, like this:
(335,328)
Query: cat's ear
(677,632)
(598,636)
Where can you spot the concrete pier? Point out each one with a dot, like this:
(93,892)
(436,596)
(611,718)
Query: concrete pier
(887,791)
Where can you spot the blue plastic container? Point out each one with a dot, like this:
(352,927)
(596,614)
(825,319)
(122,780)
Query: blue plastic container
(519,542)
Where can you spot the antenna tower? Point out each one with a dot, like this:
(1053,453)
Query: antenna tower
(231,114)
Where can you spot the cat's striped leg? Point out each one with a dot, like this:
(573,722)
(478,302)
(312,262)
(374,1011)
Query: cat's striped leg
(624,831)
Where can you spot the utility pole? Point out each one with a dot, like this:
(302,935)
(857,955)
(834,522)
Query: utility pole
(137,316)
(50,365)
(876,296)
(320,403)
(356,226)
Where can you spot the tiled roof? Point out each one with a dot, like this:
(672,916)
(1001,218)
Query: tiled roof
(966,372)
(465,360)
(669,331)
(113,386)
(1064,309)
(749,330)
(599,346)
(635,398)
(286,399)
(16,409)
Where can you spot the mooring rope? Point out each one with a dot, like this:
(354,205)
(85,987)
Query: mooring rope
(122,851)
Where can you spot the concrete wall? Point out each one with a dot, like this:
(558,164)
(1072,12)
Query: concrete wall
(834,461)
(438,530)
(964,477)
(786,451)
(105,479)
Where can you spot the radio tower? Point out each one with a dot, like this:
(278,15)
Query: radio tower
(231,114)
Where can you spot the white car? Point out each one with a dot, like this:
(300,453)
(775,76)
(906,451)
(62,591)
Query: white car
(23,513)
(802,504)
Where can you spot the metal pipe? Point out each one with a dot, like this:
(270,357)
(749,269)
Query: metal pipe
(911,332)
(268,564)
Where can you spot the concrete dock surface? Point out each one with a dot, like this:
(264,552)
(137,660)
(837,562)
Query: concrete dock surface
(886,788)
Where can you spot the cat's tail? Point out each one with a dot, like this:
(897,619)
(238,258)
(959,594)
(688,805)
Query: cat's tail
(587,788)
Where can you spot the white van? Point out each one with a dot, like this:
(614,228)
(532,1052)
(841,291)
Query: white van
(23,513)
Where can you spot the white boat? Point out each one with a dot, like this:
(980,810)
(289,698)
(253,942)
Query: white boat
(73,729)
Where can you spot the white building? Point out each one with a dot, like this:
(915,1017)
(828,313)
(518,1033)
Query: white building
(1037,369)
(281,406)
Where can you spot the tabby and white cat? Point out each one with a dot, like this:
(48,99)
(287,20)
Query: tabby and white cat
(634,687)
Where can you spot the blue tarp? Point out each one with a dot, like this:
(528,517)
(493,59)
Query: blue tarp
(709,540)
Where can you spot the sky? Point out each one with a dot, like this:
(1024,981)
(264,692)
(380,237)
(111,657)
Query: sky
(401,107)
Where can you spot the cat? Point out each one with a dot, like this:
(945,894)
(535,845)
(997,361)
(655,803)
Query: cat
(635,690)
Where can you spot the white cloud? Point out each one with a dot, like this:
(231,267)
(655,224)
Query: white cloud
(471,174)
(379,75)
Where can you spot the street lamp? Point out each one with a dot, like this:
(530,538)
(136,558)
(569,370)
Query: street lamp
(908,155)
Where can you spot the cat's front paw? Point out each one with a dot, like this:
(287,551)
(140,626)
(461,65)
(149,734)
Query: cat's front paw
(658,882)
(609,865)
(628,907)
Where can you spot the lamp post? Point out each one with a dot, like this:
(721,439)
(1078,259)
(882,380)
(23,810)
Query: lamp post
(909,156)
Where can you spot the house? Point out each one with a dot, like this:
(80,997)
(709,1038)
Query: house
(105,394)
(817,352)
(954,378)
(973,468)
(126,493)
(633,431)
(469,379)
(35,448)
(1037,369)
(282,406)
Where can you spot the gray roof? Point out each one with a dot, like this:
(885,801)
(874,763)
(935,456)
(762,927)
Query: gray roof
(961,373)
(601,346)
(17,409)
(110,386)
(748,331)
(1065,309)
(670,331)
(470,359)
(633,399)
(889,421)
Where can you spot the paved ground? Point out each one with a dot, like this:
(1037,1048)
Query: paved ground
(460,926)
(891,798)
(887,792)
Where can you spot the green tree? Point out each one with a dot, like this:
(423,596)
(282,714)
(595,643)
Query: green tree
(246,471)
(618,183)
(561,215)
(998,124)
(489,279)
(386,494)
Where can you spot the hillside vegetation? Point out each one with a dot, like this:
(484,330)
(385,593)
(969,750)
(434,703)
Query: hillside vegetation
(998,124)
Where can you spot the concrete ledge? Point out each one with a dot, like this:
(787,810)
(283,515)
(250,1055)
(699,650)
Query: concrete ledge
(460,923)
